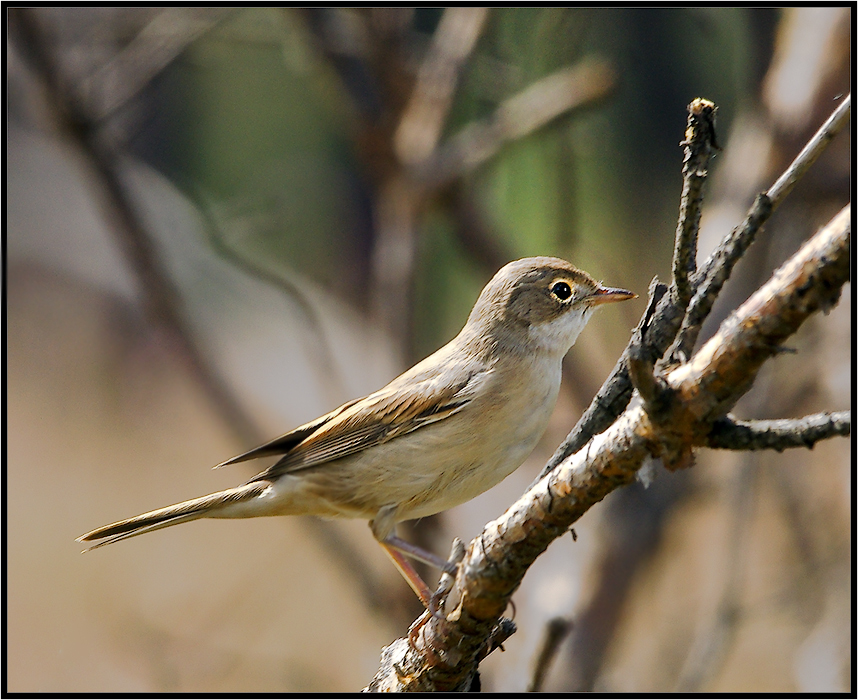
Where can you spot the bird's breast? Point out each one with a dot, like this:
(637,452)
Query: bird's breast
(497,432)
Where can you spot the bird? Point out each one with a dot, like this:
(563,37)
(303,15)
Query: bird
(443,432)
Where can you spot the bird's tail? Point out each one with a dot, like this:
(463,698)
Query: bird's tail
(205,506)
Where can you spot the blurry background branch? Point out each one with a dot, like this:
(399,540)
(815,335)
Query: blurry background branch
(425,114)
(75,118)
(160,295)
(567,89)
(123,76)
(555,632)
(405,154)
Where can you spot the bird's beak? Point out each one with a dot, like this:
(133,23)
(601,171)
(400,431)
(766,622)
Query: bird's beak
(606,295)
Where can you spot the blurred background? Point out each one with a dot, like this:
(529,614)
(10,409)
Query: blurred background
(222,223)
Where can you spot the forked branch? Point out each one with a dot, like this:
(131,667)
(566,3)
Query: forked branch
(684,408)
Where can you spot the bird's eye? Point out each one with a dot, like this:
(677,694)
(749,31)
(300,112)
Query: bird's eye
(561,290)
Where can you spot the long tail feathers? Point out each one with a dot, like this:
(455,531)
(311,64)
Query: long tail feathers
(171,515)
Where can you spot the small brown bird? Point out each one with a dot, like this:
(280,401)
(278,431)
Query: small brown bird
(451,427)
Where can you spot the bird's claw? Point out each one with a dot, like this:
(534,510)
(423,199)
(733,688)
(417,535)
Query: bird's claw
(435,605)
(457,553)
(448,575)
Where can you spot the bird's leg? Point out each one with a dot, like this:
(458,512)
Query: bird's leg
(409,573)
(383,529)
(397,548)
(418,553)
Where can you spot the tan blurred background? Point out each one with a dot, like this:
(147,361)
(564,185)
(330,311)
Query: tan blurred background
(256,151)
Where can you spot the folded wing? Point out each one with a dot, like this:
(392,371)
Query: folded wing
(395,410)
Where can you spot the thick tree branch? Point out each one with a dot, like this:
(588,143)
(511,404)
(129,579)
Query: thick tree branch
(724,368)
(445,650)
(731,434)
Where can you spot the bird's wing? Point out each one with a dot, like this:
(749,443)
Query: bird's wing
(397,409)
(281,445)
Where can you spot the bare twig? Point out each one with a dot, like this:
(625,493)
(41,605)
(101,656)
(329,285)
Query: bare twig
(699,144)
(731,434)
(651,385)
(715,272)
(557,629)
(814,148)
